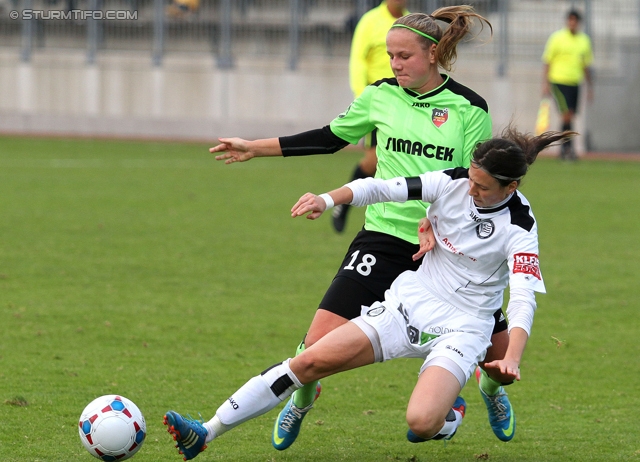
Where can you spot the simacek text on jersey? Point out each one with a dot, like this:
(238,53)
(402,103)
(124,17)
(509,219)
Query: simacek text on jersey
(109,15)
(416,148)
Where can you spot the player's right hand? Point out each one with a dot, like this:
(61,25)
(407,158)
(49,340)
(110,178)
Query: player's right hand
(233,150)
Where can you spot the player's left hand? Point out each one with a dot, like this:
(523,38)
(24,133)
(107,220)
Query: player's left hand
(309,203)
(426,238)
(507,367)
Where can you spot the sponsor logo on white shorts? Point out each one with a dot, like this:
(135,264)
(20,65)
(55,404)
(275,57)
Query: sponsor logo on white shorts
(377,311)
(449,347)
(438,330)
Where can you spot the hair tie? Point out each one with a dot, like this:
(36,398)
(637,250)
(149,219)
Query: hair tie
(504,178)
(495,175)
(419,32)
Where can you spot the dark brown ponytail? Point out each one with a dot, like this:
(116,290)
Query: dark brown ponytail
(508,158)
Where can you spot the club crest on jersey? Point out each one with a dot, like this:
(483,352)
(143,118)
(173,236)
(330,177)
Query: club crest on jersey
(485,229)
(439,116)
(526,263)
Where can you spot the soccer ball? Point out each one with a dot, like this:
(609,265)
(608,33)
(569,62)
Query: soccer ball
(112,428)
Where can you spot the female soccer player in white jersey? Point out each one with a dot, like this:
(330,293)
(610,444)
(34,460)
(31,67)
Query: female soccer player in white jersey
(485,240)
(425,121)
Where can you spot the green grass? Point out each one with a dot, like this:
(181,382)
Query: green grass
(152,271)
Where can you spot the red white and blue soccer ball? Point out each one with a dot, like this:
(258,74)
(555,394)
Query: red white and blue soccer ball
(112,428)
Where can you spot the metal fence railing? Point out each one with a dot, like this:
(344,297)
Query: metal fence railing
(280,29)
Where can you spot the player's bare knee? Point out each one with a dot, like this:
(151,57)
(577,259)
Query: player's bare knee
(424,425)
(424,430)
(307,366)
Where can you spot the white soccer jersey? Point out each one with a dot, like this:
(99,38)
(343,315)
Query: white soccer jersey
(478,251)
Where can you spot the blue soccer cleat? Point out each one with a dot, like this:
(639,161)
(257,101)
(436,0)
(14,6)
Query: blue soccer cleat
(288,423)
(501,416)
(459,405)
(189,434)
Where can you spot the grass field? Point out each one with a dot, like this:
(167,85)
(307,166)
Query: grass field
(152,271)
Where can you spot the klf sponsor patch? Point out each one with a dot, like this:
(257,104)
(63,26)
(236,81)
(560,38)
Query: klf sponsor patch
(526,263)
(439,116)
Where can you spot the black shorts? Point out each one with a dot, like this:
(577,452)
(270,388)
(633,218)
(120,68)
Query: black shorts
(374,260)
(566,97)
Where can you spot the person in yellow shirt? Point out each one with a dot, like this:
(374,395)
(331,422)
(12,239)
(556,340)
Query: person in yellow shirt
(368,63)
(567,59)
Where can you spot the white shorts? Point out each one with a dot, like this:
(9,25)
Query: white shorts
(413,323)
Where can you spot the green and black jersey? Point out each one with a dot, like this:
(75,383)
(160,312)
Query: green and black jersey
(416,134)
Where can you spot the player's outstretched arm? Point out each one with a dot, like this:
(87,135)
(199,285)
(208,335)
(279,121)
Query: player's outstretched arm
(315,205)
(510,365)
(239,150)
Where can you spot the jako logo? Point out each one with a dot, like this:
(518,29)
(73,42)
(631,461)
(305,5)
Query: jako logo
(234,405)
(449,347)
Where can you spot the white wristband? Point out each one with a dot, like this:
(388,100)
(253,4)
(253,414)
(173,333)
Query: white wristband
(328,200)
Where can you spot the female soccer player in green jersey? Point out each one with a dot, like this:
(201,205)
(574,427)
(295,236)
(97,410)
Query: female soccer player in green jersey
(425,121)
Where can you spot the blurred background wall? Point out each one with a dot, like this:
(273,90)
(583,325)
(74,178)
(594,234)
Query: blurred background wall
(200,69)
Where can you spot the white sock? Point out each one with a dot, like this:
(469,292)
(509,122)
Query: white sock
(259,395)
(451,424)
(214,428)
